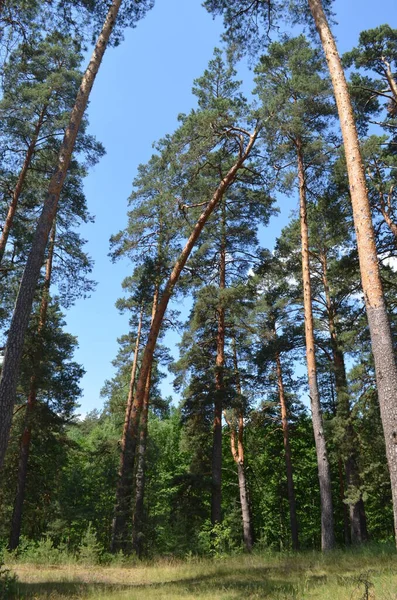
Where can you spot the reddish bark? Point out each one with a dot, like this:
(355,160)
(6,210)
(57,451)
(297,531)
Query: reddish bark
(19,185)
(125,476)
(324,473)
(173,280)
(23,305)
(381,339)
(237,450)
(138,512)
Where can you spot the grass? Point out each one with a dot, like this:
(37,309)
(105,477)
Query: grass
(366,574)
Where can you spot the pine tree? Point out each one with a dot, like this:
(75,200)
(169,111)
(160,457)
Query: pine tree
(243,25)
(29,280)
(290,77)
(218,127)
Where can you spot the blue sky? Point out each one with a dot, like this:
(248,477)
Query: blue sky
(140,89)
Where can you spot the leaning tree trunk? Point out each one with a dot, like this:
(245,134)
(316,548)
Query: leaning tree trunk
(173,280)
(138,511)
(23,306)
(20,182)
(125,477)
(349,449)
(324,472)
(381,338)
(216,495)
(287,451)
(24,451)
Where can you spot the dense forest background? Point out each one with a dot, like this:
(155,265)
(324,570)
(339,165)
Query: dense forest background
(280,429)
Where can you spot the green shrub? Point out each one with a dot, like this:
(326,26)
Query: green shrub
(90,549)
(8,583)
(43,552)
(218,540)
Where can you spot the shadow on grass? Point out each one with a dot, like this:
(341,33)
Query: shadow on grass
(236,584)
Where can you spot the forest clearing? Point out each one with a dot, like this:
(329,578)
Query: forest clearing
(371,574)
(198,334)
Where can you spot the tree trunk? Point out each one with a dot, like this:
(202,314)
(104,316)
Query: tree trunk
(173,280)
(138,512)
(16,520)
(288,460)
(324,473)
(346,516)
(23,306)
(19,185)
(216,496)
(126,469)
(391,81)
(238,455)
(349,449)
(382,344)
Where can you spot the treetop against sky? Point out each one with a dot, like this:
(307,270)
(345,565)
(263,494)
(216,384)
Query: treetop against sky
(142,86)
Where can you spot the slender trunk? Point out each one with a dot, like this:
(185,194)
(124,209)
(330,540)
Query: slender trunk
(348,447)
(138,513)
(125,476)
(324,473)
(23,306)
(24,452)
(173,280)
(358,521)
(389,222)
(19,185)
(216,498)
(346,519)
(288,460)
(381,338)
(391,81)
(248,533)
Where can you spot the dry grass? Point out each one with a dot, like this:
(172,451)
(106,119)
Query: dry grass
(307,576)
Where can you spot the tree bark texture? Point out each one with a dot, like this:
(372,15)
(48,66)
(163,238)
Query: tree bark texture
(19,185)
(349,449)
(173,280)
(124,488)
(23,306)
(324,473)
(138,512)
(16,521)
(381,338)
(216,496)
(288,458)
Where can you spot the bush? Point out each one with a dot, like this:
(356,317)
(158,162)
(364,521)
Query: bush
(218,540)
(8,583)
(42,553)
(90,549)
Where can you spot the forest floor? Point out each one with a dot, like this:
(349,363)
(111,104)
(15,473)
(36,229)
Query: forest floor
(363,575)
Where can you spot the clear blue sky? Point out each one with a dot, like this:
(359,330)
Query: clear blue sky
(140,89)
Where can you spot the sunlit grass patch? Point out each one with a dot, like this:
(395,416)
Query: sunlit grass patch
(369,574)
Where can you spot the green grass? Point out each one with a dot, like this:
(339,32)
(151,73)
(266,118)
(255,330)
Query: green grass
(312,576)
